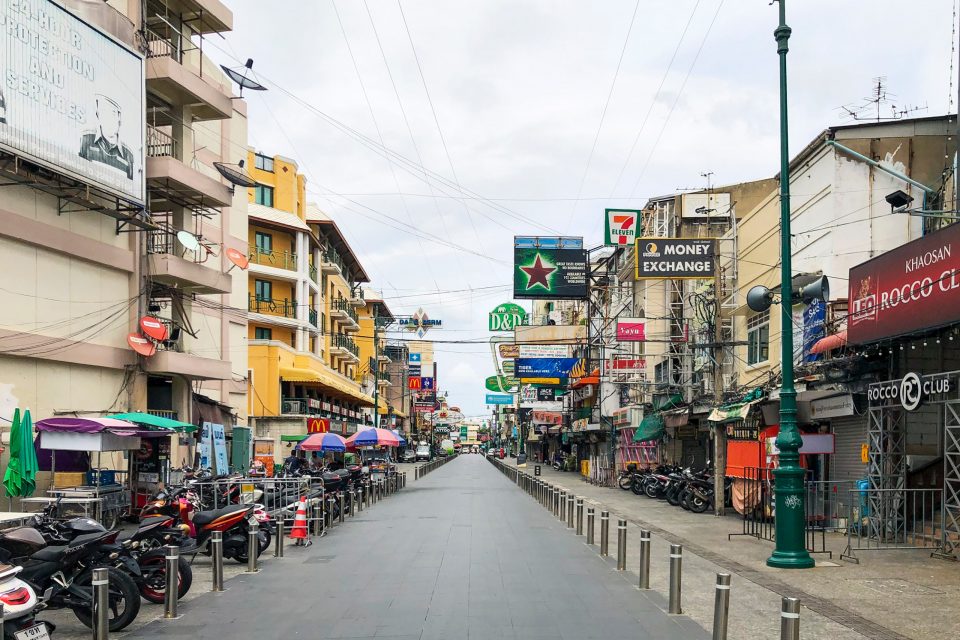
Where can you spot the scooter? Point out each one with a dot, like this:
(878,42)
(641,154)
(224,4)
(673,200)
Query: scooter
(20,605)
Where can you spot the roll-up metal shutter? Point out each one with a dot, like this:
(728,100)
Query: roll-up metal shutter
(849,435)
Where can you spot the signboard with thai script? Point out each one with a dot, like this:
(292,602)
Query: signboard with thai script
(631,330)
(911,288)
(675,258)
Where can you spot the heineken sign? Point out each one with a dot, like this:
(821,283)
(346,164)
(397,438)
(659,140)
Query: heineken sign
(507,317)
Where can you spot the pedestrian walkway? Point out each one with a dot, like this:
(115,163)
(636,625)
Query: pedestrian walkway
(461,553)
(891,595)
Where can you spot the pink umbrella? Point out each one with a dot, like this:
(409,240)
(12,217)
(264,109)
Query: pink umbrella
(373,437)
(323,442)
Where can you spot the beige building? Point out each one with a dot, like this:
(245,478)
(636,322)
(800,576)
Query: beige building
(84,264)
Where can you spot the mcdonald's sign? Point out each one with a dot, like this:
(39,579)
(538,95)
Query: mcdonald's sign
(414,383)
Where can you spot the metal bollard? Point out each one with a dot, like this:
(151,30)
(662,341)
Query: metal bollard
(579,516)
(101,604)
(570,501)
(721,607)
(416,473)
(366,492)
(790,619)
(253,547)
(604,533)
(563,506)
(644,559)
(676,571)
(343,506)
(621,545)
(1,620)
(357,501)
(171,594)
(216,551)
(556,502)
(590,516)
(278,543)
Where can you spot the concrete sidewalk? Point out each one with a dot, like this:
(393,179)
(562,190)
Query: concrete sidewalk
(890,595)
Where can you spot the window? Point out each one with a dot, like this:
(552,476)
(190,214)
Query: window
(758,338)
(264,290)
(264,242)
(263,194)
(262,162)
(262,333)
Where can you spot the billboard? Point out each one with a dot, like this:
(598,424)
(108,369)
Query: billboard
(913,287)
(545,367)
(631,330)
(72,98)
(543,351)
(704,206)
(550,268)
(621,226)
(676,258)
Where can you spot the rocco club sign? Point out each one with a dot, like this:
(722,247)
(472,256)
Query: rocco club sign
(909,392)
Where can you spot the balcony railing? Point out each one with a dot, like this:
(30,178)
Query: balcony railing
(160,144)
(344,342)
(345,306)
(313,273)
(165,46)
(163,413)
(269,258)
(331,256)
(313,317)
(383,375)
(284,308)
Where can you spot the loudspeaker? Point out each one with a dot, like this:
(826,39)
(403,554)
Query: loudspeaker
(759,298)
(819,289)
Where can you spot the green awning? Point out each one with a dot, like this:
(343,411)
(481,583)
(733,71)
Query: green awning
(651,428)
(158,422)
(670,402)
(730,412)
(294,438)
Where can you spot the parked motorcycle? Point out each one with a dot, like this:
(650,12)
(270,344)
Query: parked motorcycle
(20,605)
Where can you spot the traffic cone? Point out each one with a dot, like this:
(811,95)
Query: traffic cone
(299,530)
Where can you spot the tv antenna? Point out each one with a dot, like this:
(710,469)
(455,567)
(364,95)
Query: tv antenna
(873,106)
(241,75)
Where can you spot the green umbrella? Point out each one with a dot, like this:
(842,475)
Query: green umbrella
(20,477)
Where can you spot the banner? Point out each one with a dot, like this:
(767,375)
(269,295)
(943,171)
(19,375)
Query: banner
(631,330)
(814,328)
(675,258)
(543,351)
(621,226)
(911,288)
(548,273)
(547,417)
(545,367)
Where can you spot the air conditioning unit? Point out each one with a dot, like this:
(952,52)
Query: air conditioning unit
(290,407)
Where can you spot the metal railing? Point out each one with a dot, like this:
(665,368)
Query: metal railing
(160,46)
(344,342)
(331,256)
(312,269)
(269,258)
(163,413)
(160,143)
(894,519)
(313,317)
(284,308)
(345,306)
(386,377)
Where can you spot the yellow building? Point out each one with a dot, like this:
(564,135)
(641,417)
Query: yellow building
(303,301)
(373,350)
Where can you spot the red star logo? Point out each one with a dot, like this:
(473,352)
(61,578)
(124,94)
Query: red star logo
(538,273)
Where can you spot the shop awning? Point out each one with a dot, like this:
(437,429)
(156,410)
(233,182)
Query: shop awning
(730,412)
(158,422)
(651,428)
(326,379)
(293,438)
(293,374)
(669,402)
(829,343)
(593,378)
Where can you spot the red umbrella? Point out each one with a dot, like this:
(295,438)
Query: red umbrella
(373,437)
(323,442)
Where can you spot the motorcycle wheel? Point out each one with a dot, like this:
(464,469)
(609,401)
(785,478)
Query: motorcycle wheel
(124,600)
(154,584)
(626,482)
(242,556)
(651,489)
(673,497)
(697,504)
(684,499)
(265,538)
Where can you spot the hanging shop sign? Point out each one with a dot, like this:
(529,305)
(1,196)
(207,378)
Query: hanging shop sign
(509,350)
(833,407)
(631,330)
(414,383)
(621,226)
(507,317)
(549,268)
(913,287)
(426,383)
(740,430)
(72,99)
(545,367)
(543,351)
(547,417)
(814,328)
(414,358)
(508,368)
(675,258)
(318,425)
(414,370)
(502,384)
(528,393)
(419,323)
(910,391)
(545,394)
(422,407)
(499,398)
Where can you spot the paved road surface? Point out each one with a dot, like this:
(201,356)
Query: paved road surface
(463,553)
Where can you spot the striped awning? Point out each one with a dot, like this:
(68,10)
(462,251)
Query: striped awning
(326,379)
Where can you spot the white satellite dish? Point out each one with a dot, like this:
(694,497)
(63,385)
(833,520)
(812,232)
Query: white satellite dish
(188,240)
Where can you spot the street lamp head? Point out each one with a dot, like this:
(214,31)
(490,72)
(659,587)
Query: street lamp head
(899,200)
(759,298)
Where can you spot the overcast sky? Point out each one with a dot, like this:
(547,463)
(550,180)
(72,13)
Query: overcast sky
(519,89)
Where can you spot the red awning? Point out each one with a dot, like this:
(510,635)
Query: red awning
(829,343)
(593,378)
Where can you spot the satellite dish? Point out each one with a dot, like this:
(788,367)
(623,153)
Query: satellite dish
(237,258)
(188,240)
(241,78)
(235,174)
(153,328)
(141,345)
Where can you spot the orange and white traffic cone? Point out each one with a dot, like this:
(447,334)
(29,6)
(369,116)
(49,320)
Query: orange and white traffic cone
(299,530)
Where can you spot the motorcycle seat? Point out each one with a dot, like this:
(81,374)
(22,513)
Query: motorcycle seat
(206,517)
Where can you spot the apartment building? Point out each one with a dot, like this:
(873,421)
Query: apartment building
(109,219)
(372,373)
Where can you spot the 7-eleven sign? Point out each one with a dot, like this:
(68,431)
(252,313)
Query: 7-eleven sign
(621,226)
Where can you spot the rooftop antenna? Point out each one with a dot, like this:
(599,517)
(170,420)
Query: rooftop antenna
(239,75)
(871,109)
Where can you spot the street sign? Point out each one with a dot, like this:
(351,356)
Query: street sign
(621,226)
(507,317)
(414,358)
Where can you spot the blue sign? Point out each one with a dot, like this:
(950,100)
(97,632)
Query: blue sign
(814,328)
(545,367)
(414,357)
(499,398)
(413,370)
(426,383)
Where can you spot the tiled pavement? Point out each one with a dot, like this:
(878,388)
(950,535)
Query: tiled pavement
(458,554)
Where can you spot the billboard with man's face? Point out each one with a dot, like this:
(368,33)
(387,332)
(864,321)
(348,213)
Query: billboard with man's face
(71,98)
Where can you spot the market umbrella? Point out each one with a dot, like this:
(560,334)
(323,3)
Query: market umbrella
(403,441)
(159,422)
(373,437)
(20,477)
(323,442)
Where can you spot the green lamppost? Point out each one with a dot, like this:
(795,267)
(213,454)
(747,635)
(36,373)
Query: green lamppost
(791,550)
